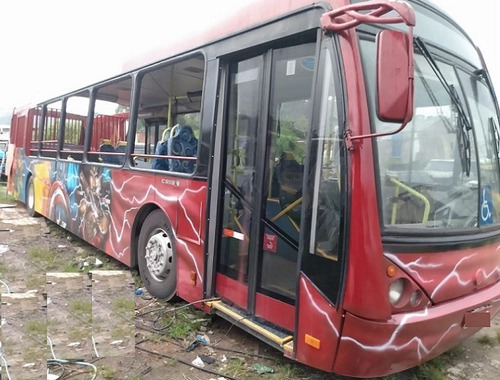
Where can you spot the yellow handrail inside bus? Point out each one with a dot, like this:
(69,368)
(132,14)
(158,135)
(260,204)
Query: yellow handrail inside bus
(286,209)
(427,205)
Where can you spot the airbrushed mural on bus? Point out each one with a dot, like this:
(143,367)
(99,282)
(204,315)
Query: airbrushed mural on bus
(323,175)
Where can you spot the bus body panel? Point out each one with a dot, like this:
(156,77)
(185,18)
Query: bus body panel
(319,328)
(448,275)
(365,247)
(100,205)
(377,348)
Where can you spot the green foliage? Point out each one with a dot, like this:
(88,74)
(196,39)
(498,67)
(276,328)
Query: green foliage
(106,372)
(44,257)
(433,369)
(237,368)
(486,340)
(36,329)
(124,304)
(289,371)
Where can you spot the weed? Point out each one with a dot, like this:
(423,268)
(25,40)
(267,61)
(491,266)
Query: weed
(79,333)
(107,372)
(432,370)
(3,269)
(82,308)
(70,267)
(183,322)
(289,371)
(35,281)
(124,304)
(5,197)
(456,352)
(236,368)
(171,362)
(36,329)
(44,257)
(156,337)
(498,337)
(486,340)
(32,354)
(122,332)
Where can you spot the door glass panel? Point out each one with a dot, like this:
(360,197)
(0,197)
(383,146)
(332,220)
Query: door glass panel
(241,137)
(289,119)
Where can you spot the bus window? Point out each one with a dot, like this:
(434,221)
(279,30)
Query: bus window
(110,124)
(75,123)
(34,136)
(168,126)
(50,131)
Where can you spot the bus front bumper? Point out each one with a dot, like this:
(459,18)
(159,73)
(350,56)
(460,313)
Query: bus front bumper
(372,348)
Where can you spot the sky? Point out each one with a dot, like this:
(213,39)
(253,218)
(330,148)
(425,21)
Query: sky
(51,47)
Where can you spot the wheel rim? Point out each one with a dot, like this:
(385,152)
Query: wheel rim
(159,255)
(31,198)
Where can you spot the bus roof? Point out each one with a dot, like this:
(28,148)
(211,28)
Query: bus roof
(242,18)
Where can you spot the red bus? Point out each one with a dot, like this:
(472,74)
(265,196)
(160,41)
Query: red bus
(324,175)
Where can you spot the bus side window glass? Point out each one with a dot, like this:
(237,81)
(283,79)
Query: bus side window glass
(50,132)
(108,142)
(167,131)
(35,132)
(326,197)
(75,124)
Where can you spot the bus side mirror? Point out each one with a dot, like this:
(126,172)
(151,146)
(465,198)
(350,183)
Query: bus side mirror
(394,76)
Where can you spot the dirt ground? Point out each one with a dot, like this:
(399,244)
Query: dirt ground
(62,299)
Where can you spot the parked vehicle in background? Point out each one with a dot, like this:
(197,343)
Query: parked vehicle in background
(272,170)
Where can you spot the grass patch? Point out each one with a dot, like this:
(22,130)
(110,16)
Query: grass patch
(182,323)
(106,372)
(33,354)
(122,332)
(3,269)
(237,368)
(486,340)
(5,197)
(70,267)
(44,257)
(289,371)
(35,281)
(36,329)
(156,338)
(433,369)
(124,305)
(498,337)
(79,334)
(82,308)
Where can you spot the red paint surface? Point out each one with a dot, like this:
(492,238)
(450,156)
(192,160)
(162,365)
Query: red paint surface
(319,319)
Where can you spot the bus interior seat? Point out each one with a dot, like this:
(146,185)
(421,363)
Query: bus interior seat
(182,142)
(161,150)
(121,147)
(107,147)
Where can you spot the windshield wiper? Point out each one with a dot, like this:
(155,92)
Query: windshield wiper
(464,125)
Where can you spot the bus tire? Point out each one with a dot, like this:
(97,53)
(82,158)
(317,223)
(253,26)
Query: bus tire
(30,198)
(157,258)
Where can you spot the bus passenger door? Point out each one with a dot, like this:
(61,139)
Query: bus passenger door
(267,113)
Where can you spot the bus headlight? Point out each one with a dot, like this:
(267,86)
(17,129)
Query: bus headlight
(396,290)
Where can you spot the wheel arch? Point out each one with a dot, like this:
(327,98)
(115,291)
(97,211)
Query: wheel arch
(26,181)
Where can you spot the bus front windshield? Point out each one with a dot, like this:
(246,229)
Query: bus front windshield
(441,171)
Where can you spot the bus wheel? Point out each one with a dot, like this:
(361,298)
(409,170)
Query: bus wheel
(30,198)
(157,258)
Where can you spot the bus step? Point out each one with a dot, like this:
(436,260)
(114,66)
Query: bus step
(279,339)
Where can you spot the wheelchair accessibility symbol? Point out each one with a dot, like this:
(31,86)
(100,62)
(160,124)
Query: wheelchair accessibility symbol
(487,209)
